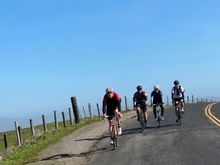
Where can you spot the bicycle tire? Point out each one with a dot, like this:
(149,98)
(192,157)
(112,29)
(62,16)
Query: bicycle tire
(116,142)
(158,121)
(142,121)
(114,145)
(179,116)
(158,116)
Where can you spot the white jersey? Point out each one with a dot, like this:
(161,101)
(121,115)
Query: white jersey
(177,92)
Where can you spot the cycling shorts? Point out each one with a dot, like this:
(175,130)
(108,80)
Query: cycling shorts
(143,107)
(177,100)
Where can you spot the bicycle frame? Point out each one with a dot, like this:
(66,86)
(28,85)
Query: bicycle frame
(177,110)
(114,131)
(142,123)
(141,117)
(158,112)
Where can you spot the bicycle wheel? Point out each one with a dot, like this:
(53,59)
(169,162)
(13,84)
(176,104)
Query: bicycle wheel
(158,119)
(116,142)
(113,136)
(179,116)
(114,145)
(142,121)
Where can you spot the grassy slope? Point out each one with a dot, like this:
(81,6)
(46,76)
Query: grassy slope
(28,152)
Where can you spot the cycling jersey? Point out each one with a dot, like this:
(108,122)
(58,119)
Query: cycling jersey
(157,97)
(140,98)
(177,92)
(110,104)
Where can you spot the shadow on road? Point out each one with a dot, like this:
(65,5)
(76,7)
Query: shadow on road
(93,139)
(84,154)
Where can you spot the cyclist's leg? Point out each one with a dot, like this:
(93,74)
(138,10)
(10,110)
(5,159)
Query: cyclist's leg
(145,113)
(162,109)
(110,130)
(118,116)
(138,110)
(110,113)
(182,105)
(177,107)
(155,112)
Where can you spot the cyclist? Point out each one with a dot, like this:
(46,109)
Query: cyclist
(112,107)
(178,95)
(140,102)
(157,99)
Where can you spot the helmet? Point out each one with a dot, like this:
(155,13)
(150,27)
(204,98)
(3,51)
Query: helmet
(109,89)
(156,87)
(176,82)
(139,87)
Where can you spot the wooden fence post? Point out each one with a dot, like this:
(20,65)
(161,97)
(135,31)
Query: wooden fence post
(90,110)
(44,124)
(64,120)
(188,99)
(32,128)
(70,115)
(126,103)
(6,141)
(84,112)
(192,99)
(55,120)
(98,110)
(75,109)
(20,134)
(17,134)
(167,100)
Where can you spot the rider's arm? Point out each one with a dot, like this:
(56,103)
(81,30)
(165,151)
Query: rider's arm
(172,94)
(134,100)
(104,106)
(183,90)
(152,98)
(118,101)
(119,105)
(161,96)
(145,95)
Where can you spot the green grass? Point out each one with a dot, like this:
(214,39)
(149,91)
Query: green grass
(28,152)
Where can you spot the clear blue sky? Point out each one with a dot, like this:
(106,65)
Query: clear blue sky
(52,50)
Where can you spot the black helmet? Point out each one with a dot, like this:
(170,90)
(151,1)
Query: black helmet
(176,82)
(139,87)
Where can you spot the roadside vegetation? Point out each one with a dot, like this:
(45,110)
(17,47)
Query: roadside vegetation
(29,151)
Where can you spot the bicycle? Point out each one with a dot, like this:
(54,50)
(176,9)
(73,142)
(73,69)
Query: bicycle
(158,112)
(178,111)
(114,131)
(141,117)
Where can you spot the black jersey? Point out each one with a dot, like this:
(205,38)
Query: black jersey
(157,97)
(140,98)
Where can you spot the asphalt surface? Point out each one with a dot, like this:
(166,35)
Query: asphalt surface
(196,141)
(216,110)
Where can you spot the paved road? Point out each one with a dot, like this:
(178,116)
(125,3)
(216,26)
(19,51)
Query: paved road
(196,141)
(216,110)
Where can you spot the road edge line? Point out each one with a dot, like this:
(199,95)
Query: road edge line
(209,114)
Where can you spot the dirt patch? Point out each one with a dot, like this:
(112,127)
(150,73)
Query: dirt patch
(75,148)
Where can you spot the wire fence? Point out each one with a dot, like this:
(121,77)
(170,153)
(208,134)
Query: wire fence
(59,120)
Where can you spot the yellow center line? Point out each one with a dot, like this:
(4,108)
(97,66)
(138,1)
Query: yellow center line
(209,114)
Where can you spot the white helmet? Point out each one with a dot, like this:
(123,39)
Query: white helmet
(109,89)
(156,87)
